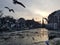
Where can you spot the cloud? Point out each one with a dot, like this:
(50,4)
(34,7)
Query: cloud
(33,7)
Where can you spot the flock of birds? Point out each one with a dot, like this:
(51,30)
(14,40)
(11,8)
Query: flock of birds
(15,2)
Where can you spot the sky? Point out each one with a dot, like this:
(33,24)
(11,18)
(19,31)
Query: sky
(34,8)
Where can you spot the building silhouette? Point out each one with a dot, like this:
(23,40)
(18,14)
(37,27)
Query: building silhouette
(54,20)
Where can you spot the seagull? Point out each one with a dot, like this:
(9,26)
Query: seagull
(16,2)
(10,9)
(52,37)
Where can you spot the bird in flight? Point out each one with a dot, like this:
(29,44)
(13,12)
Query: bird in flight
(52,37)
(10,10)
(16,2)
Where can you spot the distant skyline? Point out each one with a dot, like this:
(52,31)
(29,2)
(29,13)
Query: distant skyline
(34,8)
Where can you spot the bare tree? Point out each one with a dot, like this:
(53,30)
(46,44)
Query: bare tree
(1,13)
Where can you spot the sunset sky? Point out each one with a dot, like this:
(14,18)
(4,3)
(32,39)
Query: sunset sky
(34,8)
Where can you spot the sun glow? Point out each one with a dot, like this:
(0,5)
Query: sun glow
(41,13)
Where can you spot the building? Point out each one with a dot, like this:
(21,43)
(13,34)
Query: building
(54,19)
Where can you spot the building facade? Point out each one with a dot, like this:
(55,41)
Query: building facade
(54,18)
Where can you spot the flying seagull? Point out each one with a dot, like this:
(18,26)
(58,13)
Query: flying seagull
(52,37)
(16,2)
(10,9)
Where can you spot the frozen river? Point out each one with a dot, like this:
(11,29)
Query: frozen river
(25,37)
